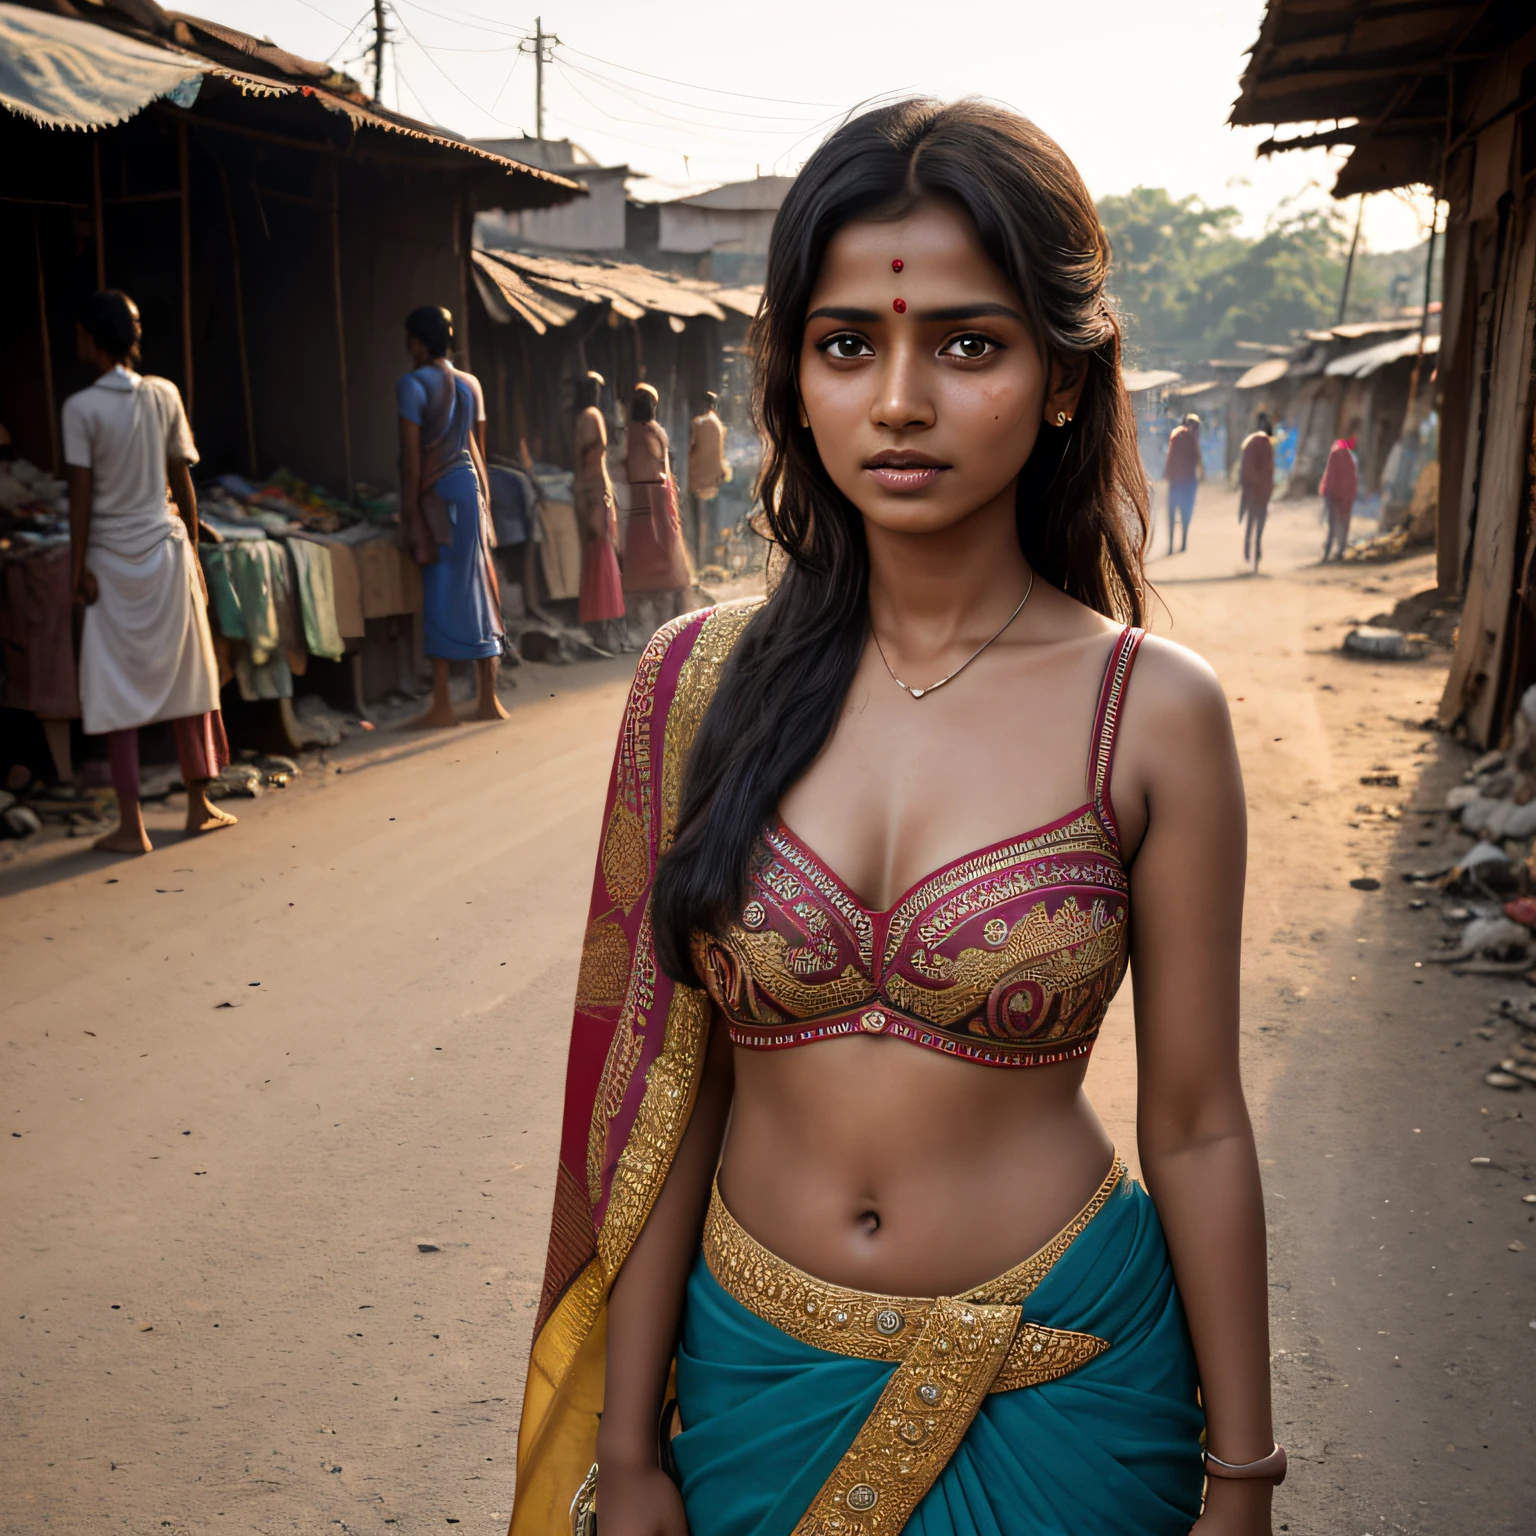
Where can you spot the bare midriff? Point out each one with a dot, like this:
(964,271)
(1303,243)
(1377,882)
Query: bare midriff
(883,1168)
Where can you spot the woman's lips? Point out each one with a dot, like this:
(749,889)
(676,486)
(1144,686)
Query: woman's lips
(906,477)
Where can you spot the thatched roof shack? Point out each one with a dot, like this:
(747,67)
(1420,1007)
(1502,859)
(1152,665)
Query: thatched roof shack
(274,225)
(1443,94)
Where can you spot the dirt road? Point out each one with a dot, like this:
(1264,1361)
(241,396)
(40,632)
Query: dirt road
(282,1107)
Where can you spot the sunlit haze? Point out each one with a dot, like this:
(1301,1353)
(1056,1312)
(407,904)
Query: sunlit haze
(1136,91)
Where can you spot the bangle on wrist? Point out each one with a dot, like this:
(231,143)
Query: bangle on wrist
(1271,1467)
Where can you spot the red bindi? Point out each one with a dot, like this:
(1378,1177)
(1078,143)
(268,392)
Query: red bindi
(897,265)
(900,306)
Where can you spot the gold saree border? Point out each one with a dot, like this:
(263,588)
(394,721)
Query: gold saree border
(917,1425)
(673,1077)
(866,1326)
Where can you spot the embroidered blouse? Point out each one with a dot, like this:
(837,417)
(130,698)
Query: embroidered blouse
(1008,956)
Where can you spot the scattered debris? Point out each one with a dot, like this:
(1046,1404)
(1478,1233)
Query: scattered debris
(21,821)
(1380,780)
(1384,644)
(1366,883)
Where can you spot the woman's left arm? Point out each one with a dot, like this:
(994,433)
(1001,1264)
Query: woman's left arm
(1193,1132)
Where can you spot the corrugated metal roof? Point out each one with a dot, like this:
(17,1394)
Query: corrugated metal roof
(1138,379)
(540,290)
(1270,371)
(89,74)
(1361,365)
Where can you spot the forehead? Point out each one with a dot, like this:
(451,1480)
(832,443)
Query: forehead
(936,243)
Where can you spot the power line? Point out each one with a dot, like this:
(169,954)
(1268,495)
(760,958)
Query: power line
(623,88)
(499,28)
(688,85)
(662,119)
(446,76)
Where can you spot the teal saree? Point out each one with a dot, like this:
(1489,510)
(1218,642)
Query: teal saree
(1112,1447)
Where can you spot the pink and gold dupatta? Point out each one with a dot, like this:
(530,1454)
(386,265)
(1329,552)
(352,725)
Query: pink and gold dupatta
(637,1047)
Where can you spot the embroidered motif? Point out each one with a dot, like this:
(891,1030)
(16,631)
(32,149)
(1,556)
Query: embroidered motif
(1009,956)
(626,870)
(605,962)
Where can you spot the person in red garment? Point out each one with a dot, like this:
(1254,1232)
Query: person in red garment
(1257,477)
(1341,479)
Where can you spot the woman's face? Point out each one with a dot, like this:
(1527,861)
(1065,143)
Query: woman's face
(924,388)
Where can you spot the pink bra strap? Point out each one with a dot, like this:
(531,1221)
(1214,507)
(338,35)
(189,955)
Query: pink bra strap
(1121,659)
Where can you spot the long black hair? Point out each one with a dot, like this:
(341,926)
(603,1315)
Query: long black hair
(1082,495)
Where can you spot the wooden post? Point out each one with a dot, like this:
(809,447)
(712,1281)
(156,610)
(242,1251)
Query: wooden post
(186,266)
(341,328)
(245,362)
(42,326)
(101,230)
(463,242)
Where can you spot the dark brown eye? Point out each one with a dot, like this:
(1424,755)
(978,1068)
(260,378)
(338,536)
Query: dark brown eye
(970,347)
(847,345)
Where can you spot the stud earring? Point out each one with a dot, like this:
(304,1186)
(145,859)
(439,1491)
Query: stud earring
(1062,418)
(805,420)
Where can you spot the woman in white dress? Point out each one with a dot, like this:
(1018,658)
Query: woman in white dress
(146,652)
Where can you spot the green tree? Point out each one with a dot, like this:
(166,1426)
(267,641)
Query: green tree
(1190,285)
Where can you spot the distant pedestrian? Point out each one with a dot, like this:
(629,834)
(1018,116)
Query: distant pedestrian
(146,652)
(445,510)
(1341,479)
(1183,471)
(601,606)
(1257,484)
(707,472)
(656,568)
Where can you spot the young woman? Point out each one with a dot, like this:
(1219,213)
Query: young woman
(828,1176)
(601,607)
(146,652)
(655,560)
(445,511)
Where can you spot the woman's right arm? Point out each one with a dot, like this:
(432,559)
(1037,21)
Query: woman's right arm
(634,1496)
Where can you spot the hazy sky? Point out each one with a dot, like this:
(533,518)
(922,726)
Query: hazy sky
(1136,91)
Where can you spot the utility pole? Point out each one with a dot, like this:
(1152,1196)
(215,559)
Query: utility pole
(1349,266)
(378,50)
(542,46)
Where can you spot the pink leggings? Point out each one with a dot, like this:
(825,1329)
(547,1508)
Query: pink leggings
(201,749)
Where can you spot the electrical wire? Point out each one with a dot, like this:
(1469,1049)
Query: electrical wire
(688,85)
(625,89)
(498,28)
(661,119)
(351,33)
(449,78)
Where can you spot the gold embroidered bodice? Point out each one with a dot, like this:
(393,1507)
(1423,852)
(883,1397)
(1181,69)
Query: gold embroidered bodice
(1008,956)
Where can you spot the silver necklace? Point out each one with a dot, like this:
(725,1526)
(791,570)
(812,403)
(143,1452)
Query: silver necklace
(918,693)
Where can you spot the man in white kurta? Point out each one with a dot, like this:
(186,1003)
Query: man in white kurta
(146,651)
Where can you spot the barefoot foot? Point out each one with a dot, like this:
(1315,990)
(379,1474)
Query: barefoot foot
(208,818)
(125,840)
(439,718)
(492,709)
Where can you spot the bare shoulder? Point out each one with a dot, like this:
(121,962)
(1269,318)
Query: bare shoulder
(1175,703)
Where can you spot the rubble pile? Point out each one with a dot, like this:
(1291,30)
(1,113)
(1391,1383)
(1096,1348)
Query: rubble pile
(1492,893)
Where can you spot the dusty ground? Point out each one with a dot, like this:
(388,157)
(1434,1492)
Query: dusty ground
(216,1311)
